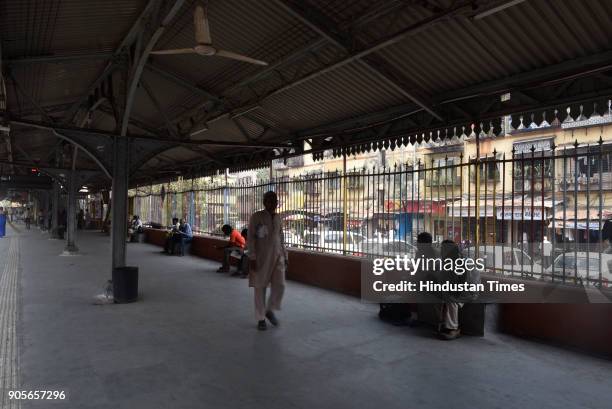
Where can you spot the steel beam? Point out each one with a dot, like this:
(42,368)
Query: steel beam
(325,28)
(59,129)
(159,108)
(411,30)
(54,59)
(184,83)
(29,165)
(461,7)
(142,60)
(49,109)
(377,11)
(136,122)
(242,129)
(204,142)
(589,65)
(31,100)
(137,28)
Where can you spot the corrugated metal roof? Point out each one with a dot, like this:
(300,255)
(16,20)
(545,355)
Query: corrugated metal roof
(531,35)
(243,26)
(455,54)
(346,92)
(53,82)
(36,27)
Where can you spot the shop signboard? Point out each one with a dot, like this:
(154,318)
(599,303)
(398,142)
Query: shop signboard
(458,211)
(519,213)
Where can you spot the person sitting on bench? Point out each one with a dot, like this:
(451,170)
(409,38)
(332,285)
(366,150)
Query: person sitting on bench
(168,245)
(135,228)
(448,312)
(236,243)
(182,236)
(243,266)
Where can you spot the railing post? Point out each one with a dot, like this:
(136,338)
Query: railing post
(344,209)
(477,195)
(226,200)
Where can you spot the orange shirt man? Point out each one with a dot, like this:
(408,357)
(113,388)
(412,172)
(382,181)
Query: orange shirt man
(236,244)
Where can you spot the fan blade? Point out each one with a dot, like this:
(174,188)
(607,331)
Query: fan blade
(176,51)
(201,25)
(239,57)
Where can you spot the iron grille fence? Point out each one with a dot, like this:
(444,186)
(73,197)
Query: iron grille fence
(534,214)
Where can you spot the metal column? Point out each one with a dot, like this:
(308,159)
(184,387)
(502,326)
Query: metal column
(119,201)
(55,205)
(71,223)
(46,210)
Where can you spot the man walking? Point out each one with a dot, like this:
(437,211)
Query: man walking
(267,260)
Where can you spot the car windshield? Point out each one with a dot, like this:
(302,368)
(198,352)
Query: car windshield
(312,238)
(398,247)
(569,261)
(333,238)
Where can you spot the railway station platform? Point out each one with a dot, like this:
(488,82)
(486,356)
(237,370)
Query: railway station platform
(190,342)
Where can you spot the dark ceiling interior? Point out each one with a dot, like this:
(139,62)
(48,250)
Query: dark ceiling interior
(341,74)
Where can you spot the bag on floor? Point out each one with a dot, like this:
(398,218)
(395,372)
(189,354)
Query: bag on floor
(395,313)
(472,319)
(107,296)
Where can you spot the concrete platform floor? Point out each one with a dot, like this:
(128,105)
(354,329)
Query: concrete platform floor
(190,342)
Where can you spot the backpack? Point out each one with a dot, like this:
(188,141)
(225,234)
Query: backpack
(395,313)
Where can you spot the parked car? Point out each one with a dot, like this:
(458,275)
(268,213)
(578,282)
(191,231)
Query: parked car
(506,260)
(572,267)
(377,247)
(333,241)
(292,239)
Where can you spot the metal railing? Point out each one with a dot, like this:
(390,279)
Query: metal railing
(534,215)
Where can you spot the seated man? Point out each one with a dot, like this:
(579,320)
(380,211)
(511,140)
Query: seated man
(168,245)
(135,228)
(243,266)
(236,243)
(182,236)
(448,312)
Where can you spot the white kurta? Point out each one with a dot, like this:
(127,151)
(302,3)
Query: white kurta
(266,245)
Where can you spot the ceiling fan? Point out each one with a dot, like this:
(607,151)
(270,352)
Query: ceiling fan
(204,45)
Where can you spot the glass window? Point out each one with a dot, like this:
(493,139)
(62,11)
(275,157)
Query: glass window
(489,259)
(312,238)
(593,264)
(444,172)
(332,238)
(565,260)
(522,257)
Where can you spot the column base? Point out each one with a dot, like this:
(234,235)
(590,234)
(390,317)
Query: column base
(70,251)
(56,234)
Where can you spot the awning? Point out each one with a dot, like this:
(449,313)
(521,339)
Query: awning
(580,225)
(593,214)
(505,209)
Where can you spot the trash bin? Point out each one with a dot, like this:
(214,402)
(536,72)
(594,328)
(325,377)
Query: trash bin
(125,284)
